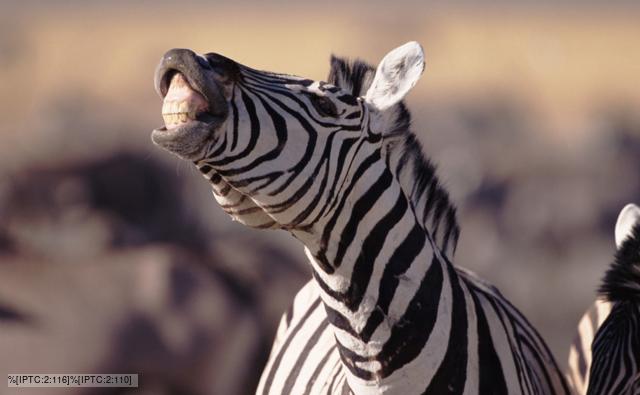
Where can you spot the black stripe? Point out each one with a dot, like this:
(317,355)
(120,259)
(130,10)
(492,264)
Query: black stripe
(267,178)
(508,324)
(354,115)
(235,118)
(302,357)
(361,208)
(223,146)
(364,264)
(283,349)
(400,261)
(215,177)
(410,334)
(224,191)
(339,321)
(491,376)
(615,351)
(305,107)
(310,146)
(326,233)
(340,196)
(254,120)
(348,99)
(452,372)
(537,344)
(335,375)
(274,78)
(325,160)
(345,146)
(371,247)
(345,388)
(205,169)
(280,127)
(318,369)
(535,352)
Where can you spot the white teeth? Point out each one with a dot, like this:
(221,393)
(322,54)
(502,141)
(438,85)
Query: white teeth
(174,112)
(181,103)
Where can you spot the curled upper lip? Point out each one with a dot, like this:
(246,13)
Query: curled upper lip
(199,77)
(166,70)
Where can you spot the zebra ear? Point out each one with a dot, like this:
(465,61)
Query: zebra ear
(396,74)
(628,218)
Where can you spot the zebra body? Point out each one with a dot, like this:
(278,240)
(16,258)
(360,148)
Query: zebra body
(305,358)
(605,356)
(580,351)
(336,166)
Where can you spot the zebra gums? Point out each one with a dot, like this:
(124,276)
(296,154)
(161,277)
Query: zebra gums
(335,165)
(605,355)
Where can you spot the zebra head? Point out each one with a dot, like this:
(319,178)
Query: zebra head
(622,279)
(276,147)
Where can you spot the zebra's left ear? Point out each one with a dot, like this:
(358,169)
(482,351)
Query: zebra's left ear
(397,73)
(627,220)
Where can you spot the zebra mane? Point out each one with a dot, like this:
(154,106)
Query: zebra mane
(622,281)
(415,173)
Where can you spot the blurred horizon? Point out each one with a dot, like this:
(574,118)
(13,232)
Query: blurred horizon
(555,60)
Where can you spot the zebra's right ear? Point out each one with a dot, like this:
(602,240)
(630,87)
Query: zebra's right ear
(396,74)
(627,219)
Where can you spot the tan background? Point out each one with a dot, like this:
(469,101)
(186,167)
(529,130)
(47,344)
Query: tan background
(532,113)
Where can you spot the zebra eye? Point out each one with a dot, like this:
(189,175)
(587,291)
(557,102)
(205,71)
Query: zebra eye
(324,106)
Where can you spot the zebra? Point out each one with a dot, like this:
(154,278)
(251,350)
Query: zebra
(335,164)
(605,355)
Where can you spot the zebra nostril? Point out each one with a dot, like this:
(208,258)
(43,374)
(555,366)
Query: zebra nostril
(203,62)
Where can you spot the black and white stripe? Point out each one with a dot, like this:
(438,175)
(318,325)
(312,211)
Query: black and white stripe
(336,165)
(580,350)
(611,362)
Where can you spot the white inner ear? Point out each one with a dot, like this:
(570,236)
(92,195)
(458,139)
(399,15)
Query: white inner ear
(629,216)
(396,74)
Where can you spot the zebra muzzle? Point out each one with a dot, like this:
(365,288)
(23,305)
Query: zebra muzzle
(194,105)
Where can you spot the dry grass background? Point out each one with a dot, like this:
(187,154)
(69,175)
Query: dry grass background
(562,60)
(531,112)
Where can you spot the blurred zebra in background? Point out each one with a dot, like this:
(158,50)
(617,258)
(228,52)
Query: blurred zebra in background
(580,351)
(605,356)
(336,165)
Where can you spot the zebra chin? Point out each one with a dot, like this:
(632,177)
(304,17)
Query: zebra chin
(187,141)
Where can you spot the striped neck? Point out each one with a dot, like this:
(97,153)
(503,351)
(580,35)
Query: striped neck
(382,281)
